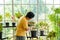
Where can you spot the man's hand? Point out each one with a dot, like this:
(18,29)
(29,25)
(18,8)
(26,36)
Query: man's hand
(28,29)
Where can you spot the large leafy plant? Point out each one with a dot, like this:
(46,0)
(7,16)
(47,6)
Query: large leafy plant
(55,19)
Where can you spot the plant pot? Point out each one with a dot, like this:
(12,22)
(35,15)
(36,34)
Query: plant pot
(41,33)
(13,24)
(0,35)
(7,24)
(33,33)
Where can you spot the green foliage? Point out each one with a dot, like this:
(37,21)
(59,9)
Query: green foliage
(0,27)
(7,15)
(51,34)
(57,10)
(18,14)
(53,17)
(1,18)
(43,23)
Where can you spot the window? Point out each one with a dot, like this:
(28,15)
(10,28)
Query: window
(41,9)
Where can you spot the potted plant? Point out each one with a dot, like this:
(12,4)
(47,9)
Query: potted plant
(33,30)
(43,26)
(7,16)
(1,31)
(55,19)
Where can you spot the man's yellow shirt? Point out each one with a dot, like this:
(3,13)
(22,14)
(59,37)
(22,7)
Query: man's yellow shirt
(21,27)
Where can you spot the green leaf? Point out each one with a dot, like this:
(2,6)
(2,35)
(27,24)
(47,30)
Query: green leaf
(18,14)
(7,15)
(0,27)
(57,10)
(1,18)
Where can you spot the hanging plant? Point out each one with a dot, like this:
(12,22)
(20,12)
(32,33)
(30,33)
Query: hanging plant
(1,18)
(18,14)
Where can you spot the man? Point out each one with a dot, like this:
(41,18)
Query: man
(22,26)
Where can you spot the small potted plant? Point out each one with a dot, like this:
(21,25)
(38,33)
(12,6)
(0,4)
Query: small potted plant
(7,16)
(33,30)
(43,26)
(1,31)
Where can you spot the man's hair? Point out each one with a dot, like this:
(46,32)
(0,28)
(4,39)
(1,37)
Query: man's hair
(30,15)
